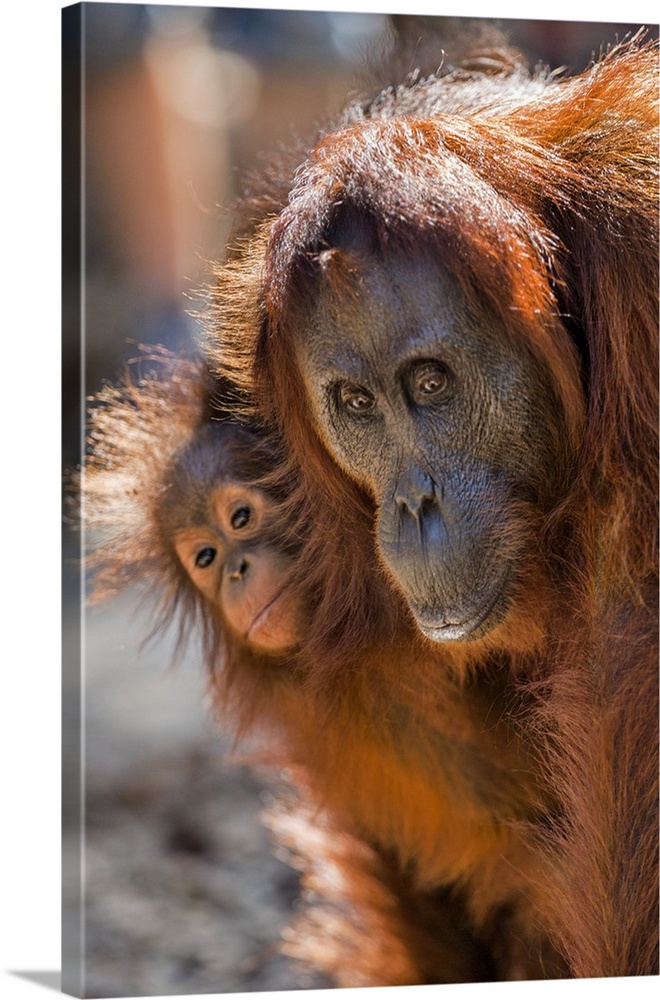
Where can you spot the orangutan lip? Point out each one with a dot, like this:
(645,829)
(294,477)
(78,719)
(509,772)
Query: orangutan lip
(455,631)
(262,615)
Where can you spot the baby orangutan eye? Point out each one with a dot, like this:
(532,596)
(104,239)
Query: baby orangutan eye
(240,518)
(205,557)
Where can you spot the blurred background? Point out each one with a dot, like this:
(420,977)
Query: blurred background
(164,107)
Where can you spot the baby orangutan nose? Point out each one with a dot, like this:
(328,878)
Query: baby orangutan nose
(238,569)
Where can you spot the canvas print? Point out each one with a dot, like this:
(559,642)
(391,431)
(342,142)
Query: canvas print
(360,546)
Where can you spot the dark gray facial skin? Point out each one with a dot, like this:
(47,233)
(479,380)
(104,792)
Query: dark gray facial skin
(448,423)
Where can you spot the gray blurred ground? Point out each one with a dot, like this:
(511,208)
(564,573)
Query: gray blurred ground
(183,892)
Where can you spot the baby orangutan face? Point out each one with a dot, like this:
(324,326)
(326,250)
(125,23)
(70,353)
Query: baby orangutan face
(228,535)
(229,559)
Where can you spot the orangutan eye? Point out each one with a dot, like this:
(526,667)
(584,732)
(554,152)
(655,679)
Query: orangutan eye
(355,398)
(429,380)
(205,557)
(240,518)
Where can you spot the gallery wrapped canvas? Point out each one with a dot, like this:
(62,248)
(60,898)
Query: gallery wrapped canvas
(360,556)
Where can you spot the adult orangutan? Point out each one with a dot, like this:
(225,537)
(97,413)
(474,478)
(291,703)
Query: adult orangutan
(448,307)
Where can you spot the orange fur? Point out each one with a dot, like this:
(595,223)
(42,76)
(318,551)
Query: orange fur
(540,196)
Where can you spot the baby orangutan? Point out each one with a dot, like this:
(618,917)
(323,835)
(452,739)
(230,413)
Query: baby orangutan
(224,530)
(180,502)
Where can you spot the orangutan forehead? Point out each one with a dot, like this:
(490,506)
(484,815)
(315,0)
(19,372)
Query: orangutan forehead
(218,453)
